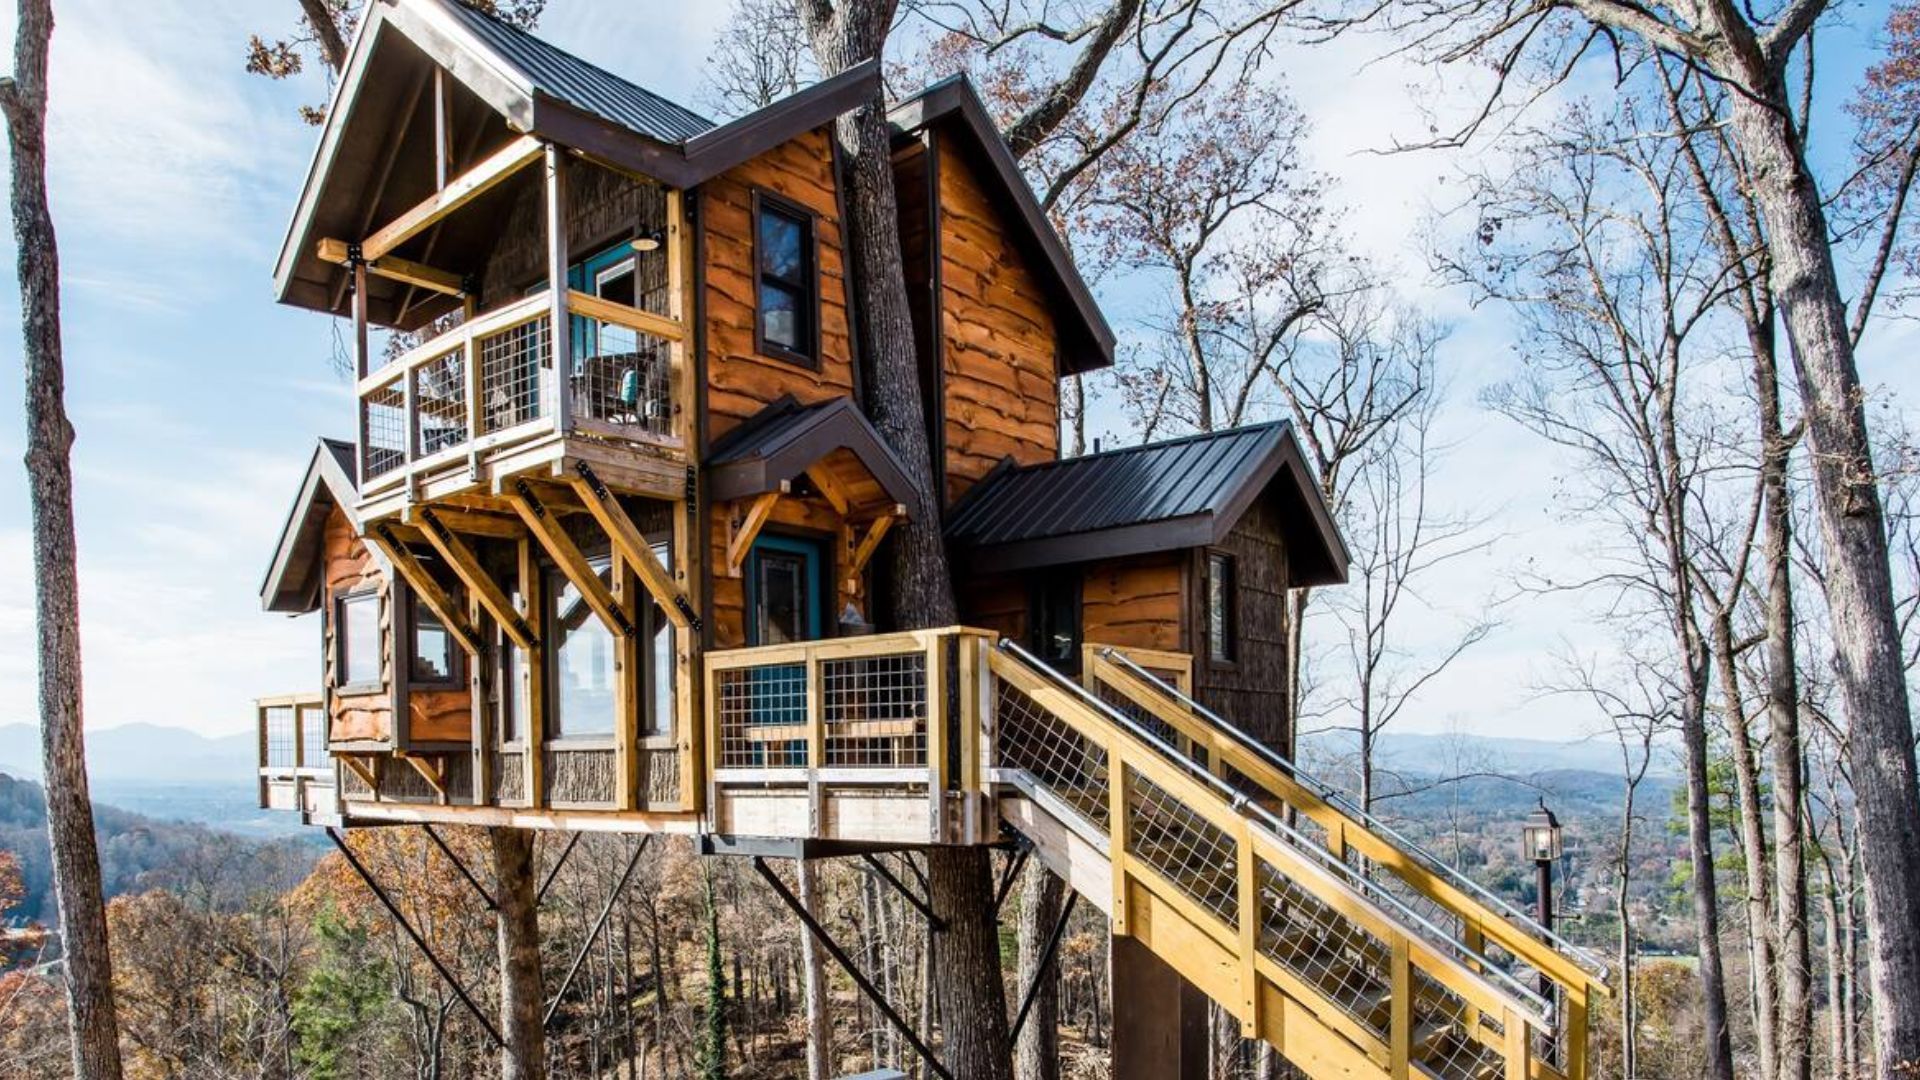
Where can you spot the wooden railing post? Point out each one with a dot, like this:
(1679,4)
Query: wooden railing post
(937,736)
(1245,865)
(1573,1047)
(1400,1023)
(1117,831)
(1519,1043)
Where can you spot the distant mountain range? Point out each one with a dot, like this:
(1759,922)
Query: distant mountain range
(146,753)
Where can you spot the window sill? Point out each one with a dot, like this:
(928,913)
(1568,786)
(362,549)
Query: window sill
(581,742)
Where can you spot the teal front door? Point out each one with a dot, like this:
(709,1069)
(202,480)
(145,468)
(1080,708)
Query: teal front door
(786,603)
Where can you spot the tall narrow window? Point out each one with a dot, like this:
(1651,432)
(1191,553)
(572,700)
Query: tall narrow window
(787,295)
(661,671)
(1053,619)
(1222,646)
(583,660)
(356,629)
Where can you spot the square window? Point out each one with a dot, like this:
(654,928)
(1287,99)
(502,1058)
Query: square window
(432,660)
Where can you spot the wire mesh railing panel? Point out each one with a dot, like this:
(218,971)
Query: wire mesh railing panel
(280,737)
(875,708)
(622,376)
(1068,764)
(383,430)
(1325,949)
(763,717)
(1186,848)
(1445,1044)
(512,363)
(313,736)
(440,402)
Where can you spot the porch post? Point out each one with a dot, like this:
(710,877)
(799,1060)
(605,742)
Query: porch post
(560,336)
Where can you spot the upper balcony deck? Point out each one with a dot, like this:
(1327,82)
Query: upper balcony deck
(499,395)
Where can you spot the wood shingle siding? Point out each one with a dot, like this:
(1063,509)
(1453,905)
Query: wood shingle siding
(1000,387)
(1252,689)
(739,380)
(349,568)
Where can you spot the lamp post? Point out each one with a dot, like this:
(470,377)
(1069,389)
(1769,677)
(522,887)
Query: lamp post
(1541,841)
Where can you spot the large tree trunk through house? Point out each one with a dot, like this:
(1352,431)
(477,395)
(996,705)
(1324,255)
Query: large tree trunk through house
(88,963)
(1853,539)
(972,1003)
(521,1021)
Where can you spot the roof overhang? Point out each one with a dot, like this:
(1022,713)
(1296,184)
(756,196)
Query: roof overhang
(1316,554)
(782,442)
(1086,341)
(295,576)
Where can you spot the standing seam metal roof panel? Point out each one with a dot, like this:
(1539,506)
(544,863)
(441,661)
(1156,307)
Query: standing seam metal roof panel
(585,86)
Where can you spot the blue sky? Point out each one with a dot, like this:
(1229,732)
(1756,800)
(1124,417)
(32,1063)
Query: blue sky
(197,400)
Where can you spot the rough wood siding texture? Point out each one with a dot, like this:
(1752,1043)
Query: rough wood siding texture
(663,778)
(580,777)
(439,715)
(739,380)
(1252,691)
(603,206)
(996,603)
(350,568)
(1136,602)
(509,777)
(401,782)
(810,518)
(1001,392)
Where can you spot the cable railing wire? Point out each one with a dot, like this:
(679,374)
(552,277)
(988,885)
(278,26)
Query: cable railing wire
(1594,965)
(1292,838)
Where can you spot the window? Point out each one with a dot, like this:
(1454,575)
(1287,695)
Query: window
(583,660)
(787,295)
(432,660)
(1054,619)
(659,720)
(1222,643)
(356,629)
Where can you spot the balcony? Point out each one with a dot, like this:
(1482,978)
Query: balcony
(295,771)
(484,400)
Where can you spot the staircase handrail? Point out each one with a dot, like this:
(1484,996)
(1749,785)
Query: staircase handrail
(1339,800)
(1285,833)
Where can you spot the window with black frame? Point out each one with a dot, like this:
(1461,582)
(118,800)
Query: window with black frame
(1053,619)
(357,641)
(432,660)
(1222,634)
(787,294)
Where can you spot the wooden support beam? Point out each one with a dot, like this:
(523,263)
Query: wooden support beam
(466,566)
(457,192)
(533,726)
(471,522)
(870,543)
(830,489)
(360,769)
(567,556)
(633,547)
(748,530)
(426,589)
(428,771)
(402,270)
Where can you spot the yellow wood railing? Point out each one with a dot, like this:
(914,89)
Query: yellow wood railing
(490,383)
(1254,917)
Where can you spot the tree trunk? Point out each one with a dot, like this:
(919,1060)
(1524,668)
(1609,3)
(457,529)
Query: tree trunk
(88,963)
(521,1023)
(819,1026)
(1706,898)
(1753,843)
(1042,894)
(1853,539)
(972,998)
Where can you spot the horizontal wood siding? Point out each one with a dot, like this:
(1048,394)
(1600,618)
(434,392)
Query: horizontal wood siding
(739,380)
(349,568)
(439,715)
(808,517)
(998,335)
(1136,602)
(1251,692)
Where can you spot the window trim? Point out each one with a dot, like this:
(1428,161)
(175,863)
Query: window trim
(1231,622)
(553,732)
(763,201)
(341,642)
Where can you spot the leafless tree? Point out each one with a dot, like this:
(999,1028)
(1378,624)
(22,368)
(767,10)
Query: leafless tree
(76,861)
(759,56)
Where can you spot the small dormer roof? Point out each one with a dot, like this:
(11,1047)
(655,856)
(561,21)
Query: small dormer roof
(294,577)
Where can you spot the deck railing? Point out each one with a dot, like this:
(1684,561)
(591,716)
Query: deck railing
(291,734)
(490,383)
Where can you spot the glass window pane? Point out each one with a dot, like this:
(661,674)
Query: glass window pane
(583,663)
(783,598)
(1220,607)
(660,718)
(782,245)
(432,647)
(780,316)
(359,632)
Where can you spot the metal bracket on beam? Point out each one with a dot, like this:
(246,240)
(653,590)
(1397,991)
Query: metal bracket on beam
(840,956)
(393,910)
(919,904)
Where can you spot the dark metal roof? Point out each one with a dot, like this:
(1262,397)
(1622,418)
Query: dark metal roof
(1163,496)
(1086,339)
(783,440)
(566,77)
(292,583)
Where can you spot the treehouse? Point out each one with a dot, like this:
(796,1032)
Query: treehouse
(607,551)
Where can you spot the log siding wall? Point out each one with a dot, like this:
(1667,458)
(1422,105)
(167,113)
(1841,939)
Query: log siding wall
(349,568)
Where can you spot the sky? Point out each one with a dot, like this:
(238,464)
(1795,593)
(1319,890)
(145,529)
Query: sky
(197,401)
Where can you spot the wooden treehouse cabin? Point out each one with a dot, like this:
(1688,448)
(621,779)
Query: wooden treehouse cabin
(605,551)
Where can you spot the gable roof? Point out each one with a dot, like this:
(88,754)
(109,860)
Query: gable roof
(953,106)
(1164,496)
(533,88)
(783,440)
(294,577)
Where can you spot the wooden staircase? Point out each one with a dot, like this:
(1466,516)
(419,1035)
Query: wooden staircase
(1347,948)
